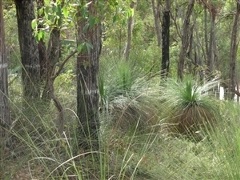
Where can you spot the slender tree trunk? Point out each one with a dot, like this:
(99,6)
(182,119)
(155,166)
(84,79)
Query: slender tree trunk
(211,50)
(185,39)
(87,75)
(233,53)
(199,59)
(129,31)
(52,58)
(4,104)
(165,40)
(28,49)
(53,55)
(41,44)
(206,34)
(156,14)
(190,57)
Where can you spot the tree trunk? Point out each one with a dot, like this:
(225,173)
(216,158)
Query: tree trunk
(165,40)
(4,104)
(53,55)
(41,44)
(233,53)
(206,34)
(199,60)
(185,39)
(129,31)
(211,50)
(156,14)
(52,58)
(191,59)
(28,49)
(89,38)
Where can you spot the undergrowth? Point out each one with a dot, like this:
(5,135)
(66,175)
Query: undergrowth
(134,141)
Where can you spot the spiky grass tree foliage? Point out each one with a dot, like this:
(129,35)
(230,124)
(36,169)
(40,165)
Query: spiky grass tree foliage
(128,96)
(190,108)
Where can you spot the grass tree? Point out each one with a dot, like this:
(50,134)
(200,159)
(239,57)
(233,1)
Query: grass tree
(190,105)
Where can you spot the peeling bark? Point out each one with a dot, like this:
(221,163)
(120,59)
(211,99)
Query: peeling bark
(87,78)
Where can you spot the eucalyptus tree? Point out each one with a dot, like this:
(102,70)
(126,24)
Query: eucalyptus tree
(165,40)
(185,38)
(130,29)
(28,49)
(42,49)
(4,104)
(89,45)
(233,52)
(156,14)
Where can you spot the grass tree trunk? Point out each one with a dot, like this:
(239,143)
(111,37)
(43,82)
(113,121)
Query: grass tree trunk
(165,40)
(233,53)
(185,39)
(28,49)
(89,39)
(129,31)
(4,104)
(156,14)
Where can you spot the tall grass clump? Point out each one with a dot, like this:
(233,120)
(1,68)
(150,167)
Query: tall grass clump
(189,106)
(226,141)
(128,96)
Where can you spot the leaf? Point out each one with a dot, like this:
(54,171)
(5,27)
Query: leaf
(34,24)
(81,47)
(41,11)
(65,11)
(47,2)
(40,35)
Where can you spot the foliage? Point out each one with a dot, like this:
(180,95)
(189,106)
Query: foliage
(135,110)
(128,95)
(190,105)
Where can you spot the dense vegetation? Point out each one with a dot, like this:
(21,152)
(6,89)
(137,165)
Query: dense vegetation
(156,112)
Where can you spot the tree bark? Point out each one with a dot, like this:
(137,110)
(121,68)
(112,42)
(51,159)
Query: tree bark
(89,38)
(129,31)
(41,44)
(28,49)
(53,53)
(165,41)
(233,52)
(5,121)
(211,50)
(199,60)
(185,39)
(156,14)
(206,34)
